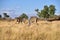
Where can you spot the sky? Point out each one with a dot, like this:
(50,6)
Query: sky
(16,7)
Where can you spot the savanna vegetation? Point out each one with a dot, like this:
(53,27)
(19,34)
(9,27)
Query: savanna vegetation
(42,30)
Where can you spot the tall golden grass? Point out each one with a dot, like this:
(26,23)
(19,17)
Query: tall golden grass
(42,31)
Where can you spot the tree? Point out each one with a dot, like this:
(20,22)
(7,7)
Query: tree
(52,10)
(0,16)
(37,10)
(5,15)
(24,16)
(46,9)
(38,13)
(46,12)
(43,13)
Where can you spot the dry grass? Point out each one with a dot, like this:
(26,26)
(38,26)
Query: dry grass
(42,31)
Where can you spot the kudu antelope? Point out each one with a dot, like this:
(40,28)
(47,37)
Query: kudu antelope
(25,20)
(33,19)
(19,20)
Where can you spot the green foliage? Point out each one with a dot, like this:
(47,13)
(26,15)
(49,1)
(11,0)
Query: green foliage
(42,14)
(5,15)
(36,10)
(46,9)
(0,16)
(46,12)
(52,10)
(24,16)
(39,14)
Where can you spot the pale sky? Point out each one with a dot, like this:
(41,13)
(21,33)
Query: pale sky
(17,7)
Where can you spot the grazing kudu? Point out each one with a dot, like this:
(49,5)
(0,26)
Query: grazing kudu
(33,19)
(19,20)
(24,20)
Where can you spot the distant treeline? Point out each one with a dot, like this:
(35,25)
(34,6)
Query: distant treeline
(45,13)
